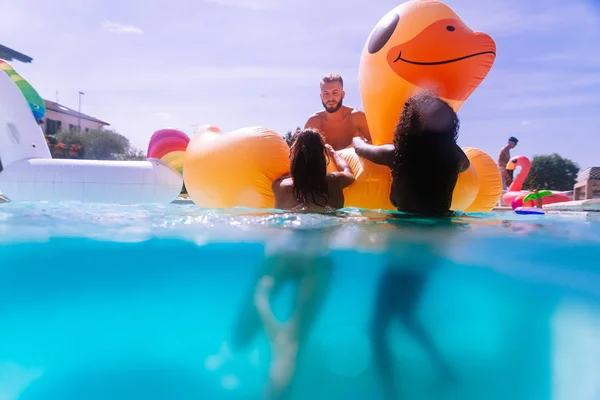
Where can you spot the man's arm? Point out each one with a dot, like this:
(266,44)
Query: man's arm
(382,155)
(464,162)
(360,119)
(345,176)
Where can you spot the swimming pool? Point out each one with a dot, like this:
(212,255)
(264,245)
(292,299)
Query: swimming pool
(108,302)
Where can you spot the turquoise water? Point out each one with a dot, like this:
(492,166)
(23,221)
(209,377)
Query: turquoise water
(107,302)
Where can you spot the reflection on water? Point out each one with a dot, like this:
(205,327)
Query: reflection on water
(102,302)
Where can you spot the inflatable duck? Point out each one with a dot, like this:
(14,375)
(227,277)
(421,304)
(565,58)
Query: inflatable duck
(234,169)
(421,44)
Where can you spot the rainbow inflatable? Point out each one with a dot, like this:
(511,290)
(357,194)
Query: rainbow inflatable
(169,145)
(36,103)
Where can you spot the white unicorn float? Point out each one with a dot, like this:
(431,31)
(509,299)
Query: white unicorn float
(29,173)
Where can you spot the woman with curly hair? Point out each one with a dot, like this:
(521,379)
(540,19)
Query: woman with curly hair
(425,162)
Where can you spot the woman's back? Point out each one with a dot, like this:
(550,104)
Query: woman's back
(283,189)
(425,160)
(424,177)
(308,186)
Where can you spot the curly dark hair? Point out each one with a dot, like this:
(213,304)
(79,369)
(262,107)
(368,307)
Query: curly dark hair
(308,167)
(426,164)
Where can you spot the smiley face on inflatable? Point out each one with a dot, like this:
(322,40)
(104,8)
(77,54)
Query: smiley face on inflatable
(421,44)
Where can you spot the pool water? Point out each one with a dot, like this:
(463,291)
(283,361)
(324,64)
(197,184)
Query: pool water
(150,302)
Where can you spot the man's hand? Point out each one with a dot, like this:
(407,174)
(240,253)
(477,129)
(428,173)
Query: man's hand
(329,149)
(358,143)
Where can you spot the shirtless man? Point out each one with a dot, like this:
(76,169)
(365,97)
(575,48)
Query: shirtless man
(504,158)
(338,123)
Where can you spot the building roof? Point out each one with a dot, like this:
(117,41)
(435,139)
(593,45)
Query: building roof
(59,108)
(10,55)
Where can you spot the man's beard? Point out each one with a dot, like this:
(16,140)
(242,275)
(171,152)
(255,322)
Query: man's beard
(334,108)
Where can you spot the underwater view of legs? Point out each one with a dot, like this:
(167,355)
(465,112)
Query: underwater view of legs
(397,296)
(311,277)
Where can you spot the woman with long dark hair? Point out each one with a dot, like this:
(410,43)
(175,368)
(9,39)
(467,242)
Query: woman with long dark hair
(300,256)
(308,186)
(425,162)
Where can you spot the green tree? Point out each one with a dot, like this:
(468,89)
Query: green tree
(94,145)
(289,136)
(132,155)
(551,172)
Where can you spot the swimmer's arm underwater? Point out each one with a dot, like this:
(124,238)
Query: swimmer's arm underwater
(382,155)
(345,174)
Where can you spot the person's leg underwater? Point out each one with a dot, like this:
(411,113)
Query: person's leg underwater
(287,339)
(399,291)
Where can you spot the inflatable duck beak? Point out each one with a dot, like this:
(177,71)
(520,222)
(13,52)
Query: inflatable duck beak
(511,165)
(446,56)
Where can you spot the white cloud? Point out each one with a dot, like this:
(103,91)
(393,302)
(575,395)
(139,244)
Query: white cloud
(115,27)
(252,4)
(163,115)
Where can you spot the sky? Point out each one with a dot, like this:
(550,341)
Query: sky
(148,64)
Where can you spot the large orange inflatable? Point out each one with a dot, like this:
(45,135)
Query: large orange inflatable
(421,44)
(371,188)
(234,169)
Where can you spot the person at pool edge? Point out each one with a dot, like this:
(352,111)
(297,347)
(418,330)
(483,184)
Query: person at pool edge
(425,162)
(338,123)
(503,159)
(302,259)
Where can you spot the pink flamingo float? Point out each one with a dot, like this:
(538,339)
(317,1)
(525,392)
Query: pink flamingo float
(514,196)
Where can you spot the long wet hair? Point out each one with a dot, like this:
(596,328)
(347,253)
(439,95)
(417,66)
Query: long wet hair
(308,167)
(425,160)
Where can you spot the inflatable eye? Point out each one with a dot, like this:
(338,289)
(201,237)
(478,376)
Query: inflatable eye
(383,32)
(36,106)
(450,28)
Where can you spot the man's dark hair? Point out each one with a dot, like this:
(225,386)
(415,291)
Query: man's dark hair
(513,139)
